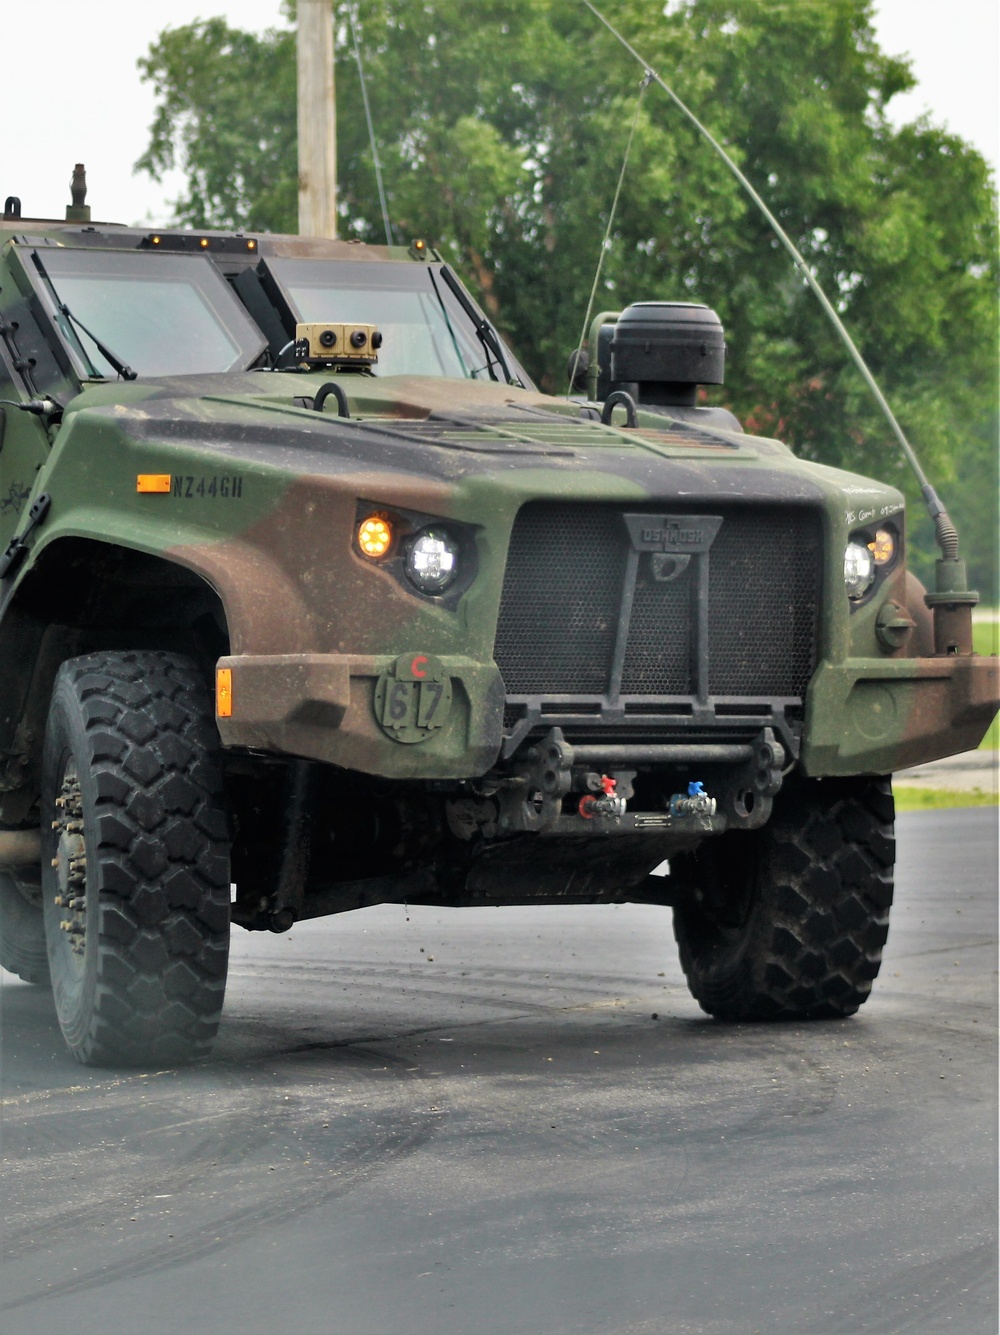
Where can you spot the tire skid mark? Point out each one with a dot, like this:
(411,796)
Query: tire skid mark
(256,1115)
(523,1010)
(973,944)
(223,1231)
(915,1293)
(361,1042)
(97,1087)
(374,977)
(133,1180)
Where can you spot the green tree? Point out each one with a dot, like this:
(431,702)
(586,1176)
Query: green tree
(501,130)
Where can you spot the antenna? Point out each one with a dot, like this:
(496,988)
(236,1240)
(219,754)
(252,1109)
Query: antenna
(575,360)
(952,602)
(371,128)
(79,210)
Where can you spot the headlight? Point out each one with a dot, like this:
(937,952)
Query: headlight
(432,561)
(859,569)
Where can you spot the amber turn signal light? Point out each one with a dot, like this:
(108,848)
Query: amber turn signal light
(224,692)
(375,536)
(883,548)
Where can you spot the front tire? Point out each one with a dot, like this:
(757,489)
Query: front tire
(788,923)
(135,862)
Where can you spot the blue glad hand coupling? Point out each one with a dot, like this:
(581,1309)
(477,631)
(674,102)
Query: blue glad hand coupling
(696,803)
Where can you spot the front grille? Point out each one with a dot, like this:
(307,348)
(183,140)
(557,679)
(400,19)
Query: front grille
(561,598)
(569,576)
(658,653)
(763,601)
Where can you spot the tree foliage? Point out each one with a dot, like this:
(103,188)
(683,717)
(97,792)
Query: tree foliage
(501,129)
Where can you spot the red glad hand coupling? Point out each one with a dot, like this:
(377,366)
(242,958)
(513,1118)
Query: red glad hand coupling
(591,806)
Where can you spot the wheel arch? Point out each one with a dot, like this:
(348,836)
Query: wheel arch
(80,596)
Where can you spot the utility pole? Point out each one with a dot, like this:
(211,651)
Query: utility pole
(317,120)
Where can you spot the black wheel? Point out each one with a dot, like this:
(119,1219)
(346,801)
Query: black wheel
(135,866)
(788,923)
(22,930)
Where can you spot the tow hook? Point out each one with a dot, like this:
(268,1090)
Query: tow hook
(607,805)
(532,794)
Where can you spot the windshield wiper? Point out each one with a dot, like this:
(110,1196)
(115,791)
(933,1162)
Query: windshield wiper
(114,362)
(485,332)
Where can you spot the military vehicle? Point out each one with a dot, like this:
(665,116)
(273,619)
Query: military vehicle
(310,600)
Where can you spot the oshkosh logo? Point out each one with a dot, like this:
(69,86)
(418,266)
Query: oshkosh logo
(673,533)
(673,536)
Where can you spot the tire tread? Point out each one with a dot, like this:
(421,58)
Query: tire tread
(160,852)
(812,945)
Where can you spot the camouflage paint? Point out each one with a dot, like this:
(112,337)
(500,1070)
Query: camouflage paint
(264,502)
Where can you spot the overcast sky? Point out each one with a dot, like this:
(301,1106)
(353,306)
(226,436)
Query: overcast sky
(73,92)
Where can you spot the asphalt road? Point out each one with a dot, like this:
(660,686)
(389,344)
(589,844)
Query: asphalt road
(516,1122)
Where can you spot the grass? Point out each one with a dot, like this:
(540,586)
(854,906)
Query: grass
(986,640)
(937,799)
(986,635)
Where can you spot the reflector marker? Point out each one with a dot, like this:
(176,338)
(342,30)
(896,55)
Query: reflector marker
(153,483)
(224,692)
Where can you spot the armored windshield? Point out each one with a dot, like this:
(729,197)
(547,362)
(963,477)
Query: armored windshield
(424,330)
(161,314)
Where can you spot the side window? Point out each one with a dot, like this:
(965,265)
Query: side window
(43,373)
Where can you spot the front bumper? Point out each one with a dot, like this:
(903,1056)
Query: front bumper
(875,716)
(325,707)
(863,716)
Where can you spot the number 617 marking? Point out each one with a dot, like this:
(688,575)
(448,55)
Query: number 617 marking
(409,702)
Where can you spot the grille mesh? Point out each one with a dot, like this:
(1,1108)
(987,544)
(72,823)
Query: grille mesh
(658,657)
(561,598)
(563,590)
(764,590)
